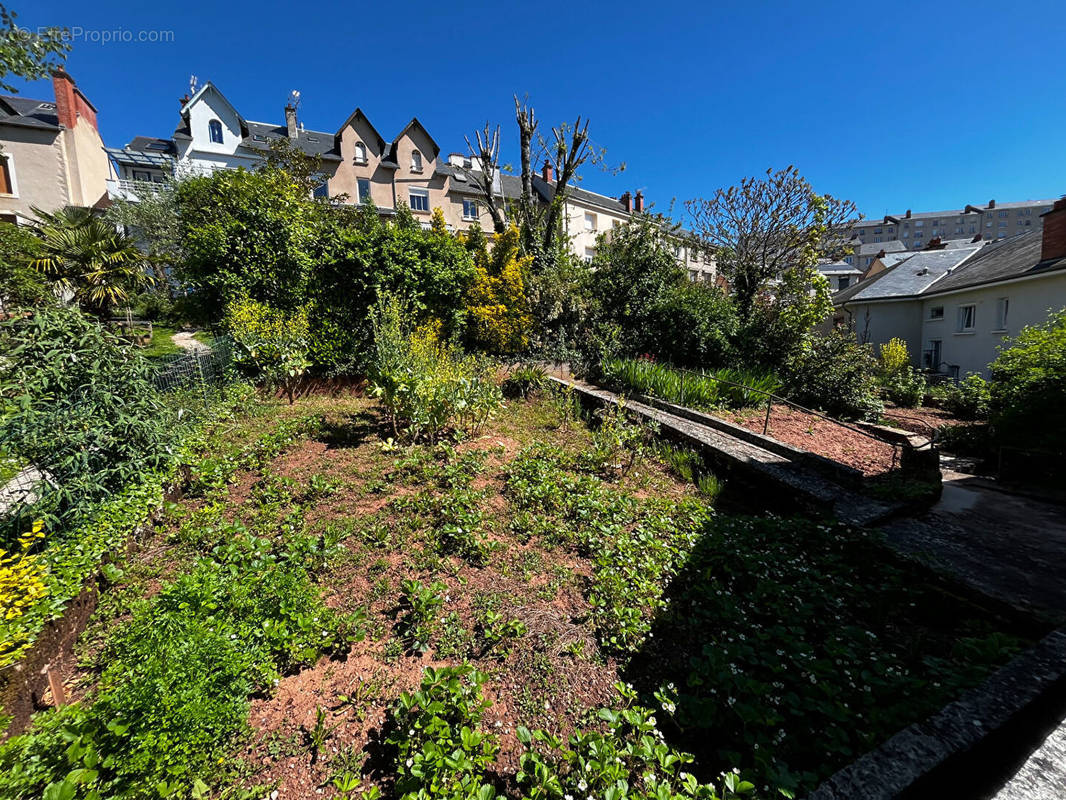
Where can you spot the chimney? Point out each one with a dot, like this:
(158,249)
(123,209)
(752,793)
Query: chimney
(638,202)
(547,172)
(936,243)
(184,99)
(908,213)
(1054,242)
(977,238)
(880,253)
(290,121)
(991,203)
(66,103)
(627,201)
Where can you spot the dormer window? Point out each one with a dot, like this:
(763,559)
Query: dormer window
(214,128)
(416,161)
(360,153)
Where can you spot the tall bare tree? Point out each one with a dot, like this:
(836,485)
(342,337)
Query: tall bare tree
(487,158)
(765,226)
(566,151)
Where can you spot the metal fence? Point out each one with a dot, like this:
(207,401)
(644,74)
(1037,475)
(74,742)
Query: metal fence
(190,383)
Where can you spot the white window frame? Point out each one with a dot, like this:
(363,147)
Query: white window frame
(1002,314)
(936,317)
(359,183)
(961,327)
(211,132)
(9,159)
(360,153)
(416,161)
(466,214)
(590,253)
(415,191)
(590,222)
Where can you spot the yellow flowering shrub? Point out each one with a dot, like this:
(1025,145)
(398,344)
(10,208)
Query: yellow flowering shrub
(895,357)
(497,304)
(21,580)
(273,342)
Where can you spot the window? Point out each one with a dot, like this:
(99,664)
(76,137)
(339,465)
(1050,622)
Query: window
(877,238)
(7,186)
(1002,304)
(468,164)
(141,175)
(616,223)
(214,127)
(936,312)
(419,199)
(967,318)
(918,223)
(590,222)
(364,190)
(360,153)
(843,283)
(470,209)
(322,190)
(416,161)
(590,253)
(1002,213)
(932,355)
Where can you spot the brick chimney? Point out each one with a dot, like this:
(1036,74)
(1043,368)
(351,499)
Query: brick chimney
(936,243)
(908,213)
(881,253)
(547,172)
(638,202)
(184,99)
(627,201)
(290,121)
(1054,243)
(991,203)
(977,238)
(66,102)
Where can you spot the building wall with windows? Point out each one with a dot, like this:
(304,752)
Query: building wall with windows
(995,313)
(34,173)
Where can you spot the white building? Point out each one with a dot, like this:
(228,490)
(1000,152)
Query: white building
(954,307)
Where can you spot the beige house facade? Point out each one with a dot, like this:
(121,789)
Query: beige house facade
(53,155)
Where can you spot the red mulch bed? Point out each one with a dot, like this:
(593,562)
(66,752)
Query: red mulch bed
(816,435)
(923,421)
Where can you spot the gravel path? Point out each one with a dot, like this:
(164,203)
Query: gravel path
(185,341)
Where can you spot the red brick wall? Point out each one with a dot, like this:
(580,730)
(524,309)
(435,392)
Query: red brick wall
(1054,245)
(70,102)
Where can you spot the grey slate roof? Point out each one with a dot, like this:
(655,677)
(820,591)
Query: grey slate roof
(910,277)
(28,113)
(838,268)
(873,248)
(1016,257)
(312,143)
(547,192)
(1016,204)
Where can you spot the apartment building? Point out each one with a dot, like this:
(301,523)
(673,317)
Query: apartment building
(360,166)
(915,229)
(52,153)
(954,306)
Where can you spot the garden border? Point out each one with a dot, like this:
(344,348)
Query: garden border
(972,744)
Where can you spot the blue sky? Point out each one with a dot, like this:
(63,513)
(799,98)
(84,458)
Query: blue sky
(909,105)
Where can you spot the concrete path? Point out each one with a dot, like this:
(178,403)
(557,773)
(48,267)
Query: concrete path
(185,340)
(1043,775)
(1010,547)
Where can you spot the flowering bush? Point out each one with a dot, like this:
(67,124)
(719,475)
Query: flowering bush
(425,384)
(497,305)
(274,343)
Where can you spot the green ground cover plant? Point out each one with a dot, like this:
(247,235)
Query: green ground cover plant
(275,628)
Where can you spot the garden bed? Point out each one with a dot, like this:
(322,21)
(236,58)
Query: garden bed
(816,435)
(539,552)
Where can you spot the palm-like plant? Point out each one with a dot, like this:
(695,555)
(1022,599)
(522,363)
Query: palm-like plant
(88,259)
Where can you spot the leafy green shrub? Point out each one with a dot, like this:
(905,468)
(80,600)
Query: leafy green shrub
(1028,390)
(905,388)
(273,343)
(20,283)
(966,440)
(440,750)
(970,398)
(628,760)
(834,373)
(424,384)
(81,407)
(694,325)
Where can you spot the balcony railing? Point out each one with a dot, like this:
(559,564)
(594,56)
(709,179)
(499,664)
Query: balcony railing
(123,189)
